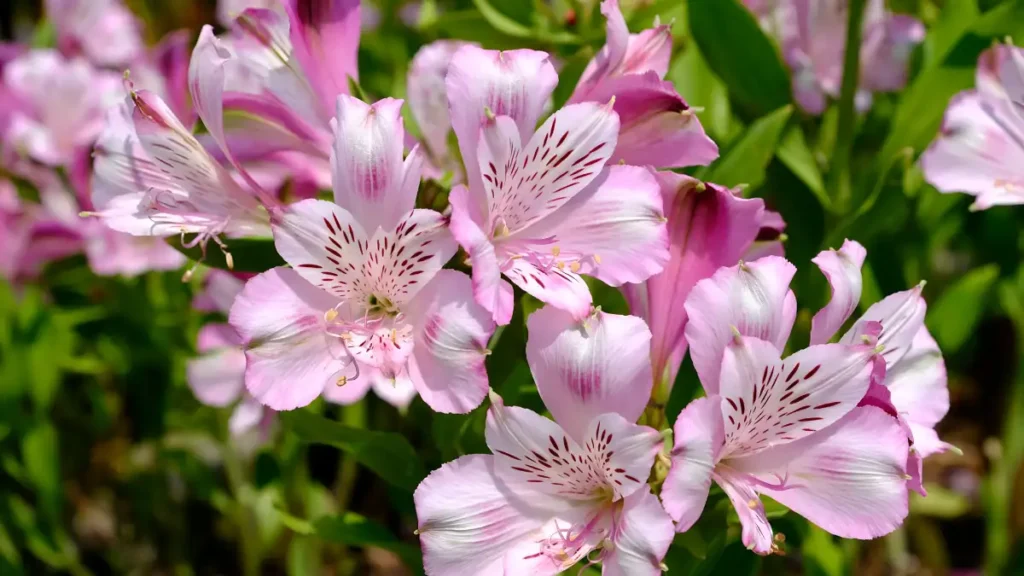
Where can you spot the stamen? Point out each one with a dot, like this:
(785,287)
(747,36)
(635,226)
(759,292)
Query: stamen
(555,251)
(575,266)
(752,503)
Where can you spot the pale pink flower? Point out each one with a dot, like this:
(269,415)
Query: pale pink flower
(54,106)
(557,493)
(980,149)
(217,376)
(163,70)
(365,302)
(709,227)
(542,208)
(813,38)
(104,31)
(657,127)
(277,75)
(229,10)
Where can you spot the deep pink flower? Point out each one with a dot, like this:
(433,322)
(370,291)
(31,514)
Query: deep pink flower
(657,127)
(542,207)
(104,31)
(709,227)
(980,149)
(365,302)
(556,493)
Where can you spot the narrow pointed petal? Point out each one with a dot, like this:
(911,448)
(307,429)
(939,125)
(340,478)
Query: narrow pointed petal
(325,41)
(452,332)
(552,285)
(489,289)
(290,357)
(467,520)
(842,269)
(699,436)
(978,151)
(850,479)
(585,369)
(369,173)
(767,401)
(901,316)
(514,83)
(750,297)
(757,532)
(644,536)
(428,99)
(217,378)
(613,230)
(708,227)
(568,151)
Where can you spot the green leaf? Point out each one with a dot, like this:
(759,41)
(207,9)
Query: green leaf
(511,27)
(797,156)
(746,161)
(940,503)
(40,452)
(352,529)
(952,319)
(733,44)
(956,18)
(247,254)
(920,111)
(387,454)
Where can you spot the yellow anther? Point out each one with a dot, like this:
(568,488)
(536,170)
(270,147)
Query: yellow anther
(342,381)
(752,504)
(597,258)
(394,336)
(560,265)
(575,266)
(555,251)
(330,315)
(780,537)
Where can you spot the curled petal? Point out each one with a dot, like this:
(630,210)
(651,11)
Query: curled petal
(428,99)
(554,285)
(842,268)
(325,40)
(917,384)
(900,317)
(489,289)
(756,531)
(585,369)
(699,435)
(644,534)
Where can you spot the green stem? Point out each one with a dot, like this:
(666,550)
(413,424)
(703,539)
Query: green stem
(248,533)
(353,416)
(840,176)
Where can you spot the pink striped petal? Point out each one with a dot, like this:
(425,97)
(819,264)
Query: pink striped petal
(699,435)
(756,532)
(451,337)
(371,179)
(401,261)
(290,357)
(489,290)
(325,41)
(643,535)
(515,83)
(842,269)
(750,297)
(428,98)
(901,316)
(585,369)
(552,285)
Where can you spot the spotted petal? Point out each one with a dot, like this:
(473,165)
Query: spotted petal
(401,261)
(555,285)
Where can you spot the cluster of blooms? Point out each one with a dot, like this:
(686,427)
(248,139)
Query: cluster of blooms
(836,432)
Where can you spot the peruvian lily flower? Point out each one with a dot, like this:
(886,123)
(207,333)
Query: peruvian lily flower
(56,106)
(709,227)
(153,178)
(163,69)
(104,31)
(557,493)
(229,10)
(428,101)
(217,376)
(657,127)
(980,149)
(276,77)
(365,302)
(542,207)
(813,38)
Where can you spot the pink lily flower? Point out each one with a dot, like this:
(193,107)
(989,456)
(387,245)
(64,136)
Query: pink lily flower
(151,177)
(229,10)
(217,376)
(30,236)
(657,127)
(980,149)
(709,227)
(55,106)
(365,302)
(556,493)
(104,31)
(813,38)
(277,75)
(542,207)
(428,102)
